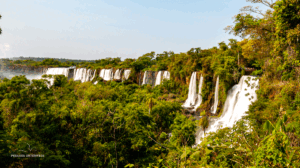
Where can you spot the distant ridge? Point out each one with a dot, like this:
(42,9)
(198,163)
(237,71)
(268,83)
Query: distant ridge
(43,58)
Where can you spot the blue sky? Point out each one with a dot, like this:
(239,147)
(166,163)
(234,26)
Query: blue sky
(95,29)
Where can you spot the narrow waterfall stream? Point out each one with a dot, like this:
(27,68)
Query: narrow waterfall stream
(158,78)
(166,75)
(101,75)
(149,78)
(144,78)
(89,75)
(127,73)
(93,75)
(117,75)
(199,97)
(216,100)
(239,97)
(192,95)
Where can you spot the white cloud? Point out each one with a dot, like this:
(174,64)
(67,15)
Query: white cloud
(6,47)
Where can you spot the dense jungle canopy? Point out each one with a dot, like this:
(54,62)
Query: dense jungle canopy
(123,124)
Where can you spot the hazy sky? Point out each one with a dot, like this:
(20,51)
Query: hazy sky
(95,29)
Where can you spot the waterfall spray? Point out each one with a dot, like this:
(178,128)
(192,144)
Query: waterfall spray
(158,78)
(127,73)
(191,100)
(216,101)
(239,97)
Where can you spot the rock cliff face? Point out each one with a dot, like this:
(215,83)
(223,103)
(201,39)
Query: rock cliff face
(149,78)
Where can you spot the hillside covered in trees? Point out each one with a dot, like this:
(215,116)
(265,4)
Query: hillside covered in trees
(123,124)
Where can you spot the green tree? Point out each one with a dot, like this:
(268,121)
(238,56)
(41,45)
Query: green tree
(204,123)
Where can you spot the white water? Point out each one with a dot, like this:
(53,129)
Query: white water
(166,75)
(93,75)
(216,101)
(144,78)
(126,74)
(199,98)
(89,76)
(117,74)
(192,95)
(108,75)
(80,74)
(158,78)
(83,75)
(239,97)
(56,71)
(102,73)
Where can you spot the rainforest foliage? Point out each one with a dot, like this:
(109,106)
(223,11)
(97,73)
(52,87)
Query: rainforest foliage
(114,124)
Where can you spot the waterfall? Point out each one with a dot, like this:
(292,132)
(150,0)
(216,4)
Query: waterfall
(93,75)
(126,74)
(117,74)
(149,78)
(239,97)
(56,71)
(83,75)
(80,74)
(166,75)
(144,78)
(89,76)
(191,100)
(215,106)
(108,75)
(158,78)
(102,73)
(199,98)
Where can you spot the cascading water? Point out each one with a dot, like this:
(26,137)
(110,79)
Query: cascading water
(239,97)
(117,75)
(216,101)
(158,78)
(108,74)
(93,75)
(56,71)
(192,95)
(127,73)
(166,75)
(144,78)
(80,75)
(101,75)
(149,78)
(89,76)
(199,98)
